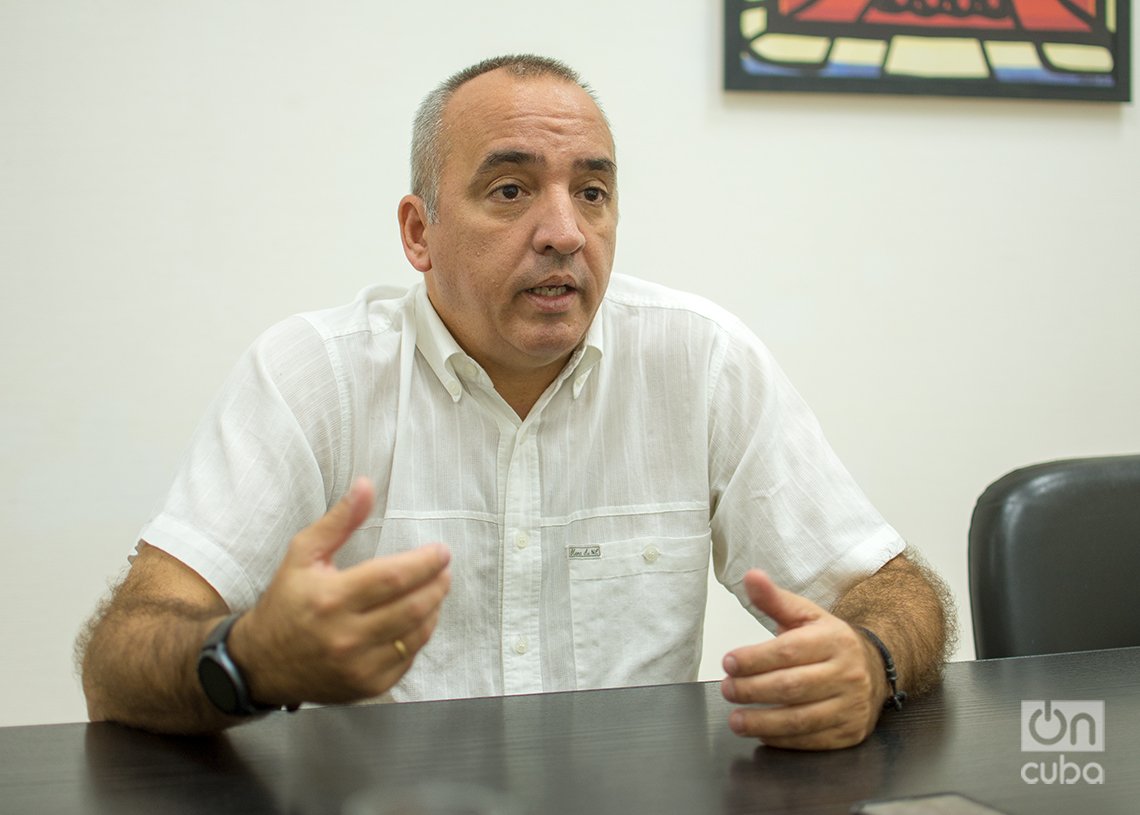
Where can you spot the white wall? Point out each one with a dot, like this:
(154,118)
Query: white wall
(176,176)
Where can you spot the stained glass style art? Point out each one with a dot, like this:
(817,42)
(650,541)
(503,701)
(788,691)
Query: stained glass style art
(1043,49)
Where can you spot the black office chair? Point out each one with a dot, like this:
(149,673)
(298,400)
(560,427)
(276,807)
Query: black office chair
(1055,558)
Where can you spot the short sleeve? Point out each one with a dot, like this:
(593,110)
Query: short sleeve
(261,465)
(780,498)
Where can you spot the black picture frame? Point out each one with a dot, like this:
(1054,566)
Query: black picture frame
(996,49)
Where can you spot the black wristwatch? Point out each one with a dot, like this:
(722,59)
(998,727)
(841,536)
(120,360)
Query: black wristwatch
(221,680)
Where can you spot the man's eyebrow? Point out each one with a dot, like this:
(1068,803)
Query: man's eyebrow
(522,157)
(501,157)
(597,165)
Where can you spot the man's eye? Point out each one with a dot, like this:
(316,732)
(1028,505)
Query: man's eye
(594,195)
(510,191)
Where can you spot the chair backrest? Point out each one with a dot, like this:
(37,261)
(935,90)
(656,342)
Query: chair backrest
(1055,558)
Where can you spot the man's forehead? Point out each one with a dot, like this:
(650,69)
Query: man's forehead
(494,112)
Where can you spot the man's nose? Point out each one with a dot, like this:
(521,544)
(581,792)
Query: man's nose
(557,227)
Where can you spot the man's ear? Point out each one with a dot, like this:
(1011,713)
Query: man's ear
(412,215)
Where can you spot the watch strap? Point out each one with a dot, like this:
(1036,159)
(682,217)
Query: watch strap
(215,665)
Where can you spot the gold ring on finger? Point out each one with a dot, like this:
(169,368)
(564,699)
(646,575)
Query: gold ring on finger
(401,649)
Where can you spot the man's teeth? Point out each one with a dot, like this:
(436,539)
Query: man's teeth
(550,291)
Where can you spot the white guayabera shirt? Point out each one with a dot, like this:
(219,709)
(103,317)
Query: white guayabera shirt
(580,536)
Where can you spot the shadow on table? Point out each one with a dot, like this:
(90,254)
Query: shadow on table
(597,752)
(131,771)
(903,756)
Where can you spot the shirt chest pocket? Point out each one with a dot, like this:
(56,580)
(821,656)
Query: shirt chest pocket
(638,609)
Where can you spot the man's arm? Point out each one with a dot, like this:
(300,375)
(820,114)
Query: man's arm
(824,680)
(317,634)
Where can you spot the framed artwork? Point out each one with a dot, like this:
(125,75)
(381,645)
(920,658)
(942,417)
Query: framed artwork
(1039,49)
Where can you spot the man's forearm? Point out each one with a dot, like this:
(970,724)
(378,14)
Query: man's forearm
(908,607)
(139,666)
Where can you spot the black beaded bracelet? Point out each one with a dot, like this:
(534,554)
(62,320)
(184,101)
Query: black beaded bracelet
(897,697)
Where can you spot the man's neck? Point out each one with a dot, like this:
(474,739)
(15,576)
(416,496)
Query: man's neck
(522,390)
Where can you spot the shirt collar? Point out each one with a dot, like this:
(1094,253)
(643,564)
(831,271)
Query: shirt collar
(589,354)
(435,342)
(450,363)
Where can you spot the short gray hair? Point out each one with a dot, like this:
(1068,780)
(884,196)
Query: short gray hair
(427,131)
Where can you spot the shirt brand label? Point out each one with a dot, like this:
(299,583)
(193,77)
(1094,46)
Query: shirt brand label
(584,552)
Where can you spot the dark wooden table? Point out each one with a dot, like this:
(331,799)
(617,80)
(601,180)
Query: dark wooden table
(657,749)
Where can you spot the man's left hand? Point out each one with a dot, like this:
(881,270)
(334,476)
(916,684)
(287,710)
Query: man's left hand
(821,682)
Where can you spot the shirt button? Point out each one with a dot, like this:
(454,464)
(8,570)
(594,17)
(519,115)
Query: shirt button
(522,541)
(650,554)
(521,646)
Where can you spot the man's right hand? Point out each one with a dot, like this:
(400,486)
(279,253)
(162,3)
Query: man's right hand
(317,634)
(322,634)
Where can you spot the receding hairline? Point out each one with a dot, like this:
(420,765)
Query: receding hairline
(458,95)
(522,66)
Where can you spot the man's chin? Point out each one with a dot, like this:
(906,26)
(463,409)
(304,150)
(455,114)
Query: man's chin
(548,348)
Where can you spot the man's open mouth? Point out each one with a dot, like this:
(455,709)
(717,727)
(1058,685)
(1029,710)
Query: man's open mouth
(549,291)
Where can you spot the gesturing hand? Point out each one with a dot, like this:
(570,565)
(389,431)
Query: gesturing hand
(321,634)
(822,681)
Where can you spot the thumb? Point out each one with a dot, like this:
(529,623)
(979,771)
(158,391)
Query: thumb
(321,539)
(789,610)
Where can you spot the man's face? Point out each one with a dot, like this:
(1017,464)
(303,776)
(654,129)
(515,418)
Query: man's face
(520,256)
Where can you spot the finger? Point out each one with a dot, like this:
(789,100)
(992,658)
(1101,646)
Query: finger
(371,669)
(800,646)
(789,686)
(785,721)
(835,738)
(318,541)
(385,622)
(380,580)
(417,637)
(391,664)
(787,609)
(829,724)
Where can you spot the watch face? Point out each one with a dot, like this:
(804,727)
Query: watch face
(219,685)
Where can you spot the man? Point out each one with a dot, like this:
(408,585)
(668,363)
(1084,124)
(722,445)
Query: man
(578,445)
